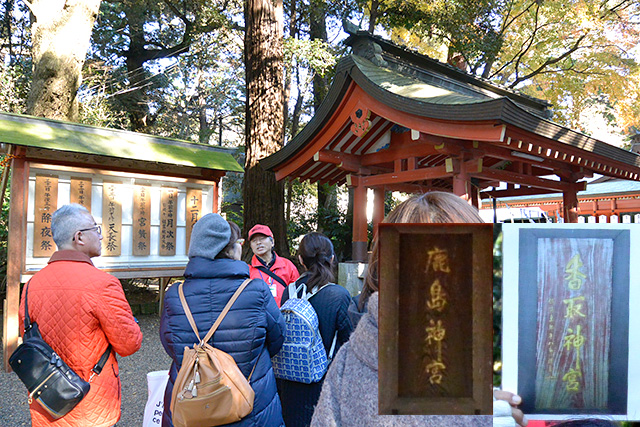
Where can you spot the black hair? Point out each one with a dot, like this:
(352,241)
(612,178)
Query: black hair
(316,251)
(235,235)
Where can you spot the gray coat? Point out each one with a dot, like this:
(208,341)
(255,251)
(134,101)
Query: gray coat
(350,392)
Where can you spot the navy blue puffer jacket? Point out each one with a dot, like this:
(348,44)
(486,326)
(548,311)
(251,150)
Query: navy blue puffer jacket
(251,331)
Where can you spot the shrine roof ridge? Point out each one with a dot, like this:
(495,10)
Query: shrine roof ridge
(426,62)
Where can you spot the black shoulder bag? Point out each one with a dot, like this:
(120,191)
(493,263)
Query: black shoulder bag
(50,382)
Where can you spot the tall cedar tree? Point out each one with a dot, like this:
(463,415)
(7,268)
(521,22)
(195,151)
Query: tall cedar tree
(61,32)
(263,196)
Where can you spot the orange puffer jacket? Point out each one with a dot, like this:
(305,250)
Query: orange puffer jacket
(80,310)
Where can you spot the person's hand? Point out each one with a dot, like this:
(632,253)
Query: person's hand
(505,398)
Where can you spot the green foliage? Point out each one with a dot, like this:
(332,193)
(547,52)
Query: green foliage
(316,54)
(14,85)
(301,213)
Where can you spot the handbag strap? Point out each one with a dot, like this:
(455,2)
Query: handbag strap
(226,309)
(27,319)
(100,365)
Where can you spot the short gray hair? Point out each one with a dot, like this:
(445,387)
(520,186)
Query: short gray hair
(66,221)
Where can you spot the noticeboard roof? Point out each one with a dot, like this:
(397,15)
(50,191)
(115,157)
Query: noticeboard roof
(50,134)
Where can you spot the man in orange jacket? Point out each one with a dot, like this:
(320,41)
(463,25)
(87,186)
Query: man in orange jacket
(80,310)
(276,271)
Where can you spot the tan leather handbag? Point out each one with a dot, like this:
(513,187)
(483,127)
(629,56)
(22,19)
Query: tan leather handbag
(210,389)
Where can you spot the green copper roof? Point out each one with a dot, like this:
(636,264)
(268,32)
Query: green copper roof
(412,88)
(64,136)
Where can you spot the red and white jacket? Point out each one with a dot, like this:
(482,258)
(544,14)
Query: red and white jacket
(282,268)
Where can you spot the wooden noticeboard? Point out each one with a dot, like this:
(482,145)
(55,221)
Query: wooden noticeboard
(193,210)
(168,212)
(46,203)
(566,329)
(111,219)
(141,221)
(435,340)
(81,192)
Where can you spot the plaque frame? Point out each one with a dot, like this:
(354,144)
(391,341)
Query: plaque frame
(520,316)
(479,399)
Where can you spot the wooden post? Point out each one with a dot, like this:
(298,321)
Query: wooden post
(461,184)
(162,282)
(378,208)
(215,208)
(570,205)
(359,243)
(475,197)
(15,252)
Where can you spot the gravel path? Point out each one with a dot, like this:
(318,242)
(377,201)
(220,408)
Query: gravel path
(14,411)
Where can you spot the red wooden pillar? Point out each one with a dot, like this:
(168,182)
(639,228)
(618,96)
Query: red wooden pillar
(570,205)
(359,242)
(475,196)
(215,208)
(461,184)
(15,252)
(378,209)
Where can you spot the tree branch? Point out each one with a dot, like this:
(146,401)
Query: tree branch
(549,62)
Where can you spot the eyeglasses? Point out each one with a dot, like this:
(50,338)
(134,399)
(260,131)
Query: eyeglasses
(97,228)
(240,241)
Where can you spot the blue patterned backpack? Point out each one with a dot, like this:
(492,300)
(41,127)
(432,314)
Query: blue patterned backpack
(302,357)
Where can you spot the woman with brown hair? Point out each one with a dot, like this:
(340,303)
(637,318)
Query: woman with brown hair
(436,207)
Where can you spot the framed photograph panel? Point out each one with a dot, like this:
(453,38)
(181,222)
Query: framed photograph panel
(569,330)
(435,338)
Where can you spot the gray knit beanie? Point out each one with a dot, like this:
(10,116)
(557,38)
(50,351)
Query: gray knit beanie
(209,237)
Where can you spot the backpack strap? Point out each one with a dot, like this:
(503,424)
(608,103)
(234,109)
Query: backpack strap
(333,346)
(226,309)
(318,290)
(293,291)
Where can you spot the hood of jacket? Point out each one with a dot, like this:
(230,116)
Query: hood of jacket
(364,341)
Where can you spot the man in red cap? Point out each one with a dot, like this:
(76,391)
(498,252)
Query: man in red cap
(276,271)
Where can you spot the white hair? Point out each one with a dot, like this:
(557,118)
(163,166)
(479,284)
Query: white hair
(66,221)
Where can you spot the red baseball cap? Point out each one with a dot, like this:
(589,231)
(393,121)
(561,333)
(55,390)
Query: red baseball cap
(260,229)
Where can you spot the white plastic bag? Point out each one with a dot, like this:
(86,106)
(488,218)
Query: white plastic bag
(157,382)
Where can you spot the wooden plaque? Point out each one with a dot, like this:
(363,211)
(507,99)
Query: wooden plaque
(193,210)
(111,220)
(435,341)
(46,203)
(573,321)
(81,192)
(141,221)
(168,209)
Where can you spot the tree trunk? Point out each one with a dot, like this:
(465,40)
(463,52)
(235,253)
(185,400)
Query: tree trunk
(134,99)
(373,15)
(327,194)
(61,32)
(318,31)
(263,196)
